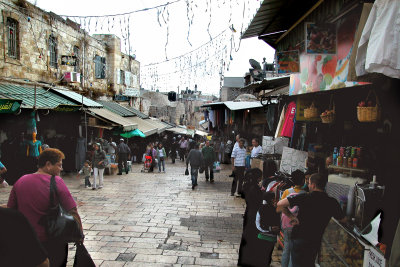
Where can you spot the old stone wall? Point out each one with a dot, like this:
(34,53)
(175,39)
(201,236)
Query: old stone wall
(32,61)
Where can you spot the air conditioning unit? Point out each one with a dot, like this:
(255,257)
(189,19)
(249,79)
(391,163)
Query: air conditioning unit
(72,77)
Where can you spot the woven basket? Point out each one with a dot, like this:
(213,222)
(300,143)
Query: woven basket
(311,112)
(329,118)
(369,114)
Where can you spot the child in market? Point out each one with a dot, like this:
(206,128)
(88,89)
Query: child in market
(86,170)
(267,222)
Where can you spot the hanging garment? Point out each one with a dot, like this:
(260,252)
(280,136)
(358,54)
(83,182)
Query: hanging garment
(280,123)
(287,128)
(211,117)
(352,75)
(226,117)
(206,115)
(80,153)
(379,50)
(34,148)
(271,116)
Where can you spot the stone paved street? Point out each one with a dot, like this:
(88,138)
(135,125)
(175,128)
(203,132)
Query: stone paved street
(155,219)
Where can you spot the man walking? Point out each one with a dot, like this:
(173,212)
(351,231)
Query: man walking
(209,158)
(235,146)
(238,161)
(195,158)
(183,145)
(315,211)
(123,152)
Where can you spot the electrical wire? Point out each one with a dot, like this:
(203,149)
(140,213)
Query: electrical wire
(126,13)
(180,56)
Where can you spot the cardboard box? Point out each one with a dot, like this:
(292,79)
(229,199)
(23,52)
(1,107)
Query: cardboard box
(257,163)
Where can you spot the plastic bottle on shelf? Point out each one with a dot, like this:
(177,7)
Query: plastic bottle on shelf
(335,157)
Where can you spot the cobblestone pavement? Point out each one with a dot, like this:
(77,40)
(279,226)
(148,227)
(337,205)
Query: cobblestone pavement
(155,219)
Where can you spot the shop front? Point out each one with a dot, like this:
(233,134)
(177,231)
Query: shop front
(344,93)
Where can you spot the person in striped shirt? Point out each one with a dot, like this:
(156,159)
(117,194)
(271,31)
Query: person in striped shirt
(238,162)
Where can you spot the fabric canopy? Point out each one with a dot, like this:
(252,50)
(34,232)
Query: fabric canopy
(133,133)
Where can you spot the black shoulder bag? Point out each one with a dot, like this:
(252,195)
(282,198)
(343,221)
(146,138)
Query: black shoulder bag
(58,223)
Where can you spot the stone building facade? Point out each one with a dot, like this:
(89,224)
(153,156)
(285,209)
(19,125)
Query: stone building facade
(41,46)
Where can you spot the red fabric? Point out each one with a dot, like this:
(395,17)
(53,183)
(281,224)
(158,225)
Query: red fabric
(31,196)
(287,128)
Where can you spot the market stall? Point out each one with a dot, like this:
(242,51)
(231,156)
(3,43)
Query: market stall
(344,90)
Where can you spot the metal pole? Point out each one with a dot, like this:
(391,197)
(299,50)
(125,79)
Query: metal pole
(84,111)
(34,103)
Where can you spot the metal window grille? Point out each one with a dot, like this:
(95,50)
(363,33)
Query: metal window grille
(53,51)
(12,32)
(76,54)
(122,76)
(100,67)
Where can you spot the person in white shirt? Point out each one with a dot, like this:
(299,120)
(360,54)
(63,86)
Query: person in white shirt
(257,149)
(235,146)
(238,161)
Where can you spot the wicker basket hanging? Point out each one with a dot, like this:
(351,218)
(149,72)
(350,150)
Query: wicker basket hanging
(311,112)
(329,115)
(369,114)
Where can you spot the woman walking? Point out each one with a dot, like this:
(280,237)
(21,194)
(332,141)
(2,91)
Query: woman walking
(31,196)
(161,157)
(98,163)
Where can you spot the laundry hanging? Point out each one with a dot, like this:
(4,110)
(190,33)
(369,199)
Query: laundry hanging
(379,50)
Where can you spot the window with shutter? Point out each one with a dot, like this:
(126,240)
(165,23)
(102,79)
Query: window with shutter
(53,51)
(12,36)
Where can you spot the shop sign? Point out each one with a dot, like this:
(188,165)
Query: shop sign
(288,61)
(67,108)
(9,106)
(372,258)
(121,98)
(326,67)
(133,92)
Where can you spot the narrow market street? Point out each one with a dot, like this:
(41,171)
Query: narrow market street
(155,219)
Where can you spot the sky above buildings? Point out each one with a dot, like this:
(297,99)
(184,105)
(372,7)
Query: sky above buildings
(191,40)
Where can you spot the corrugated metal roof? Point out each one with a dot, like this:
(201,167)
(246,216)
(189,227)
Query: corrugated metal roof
(145,126)
(117,108)
(45,99)
(233,105)
(161,127)
(107,115)
(274,17)
(138,113)
(77,98)
(269,84)
(177,130)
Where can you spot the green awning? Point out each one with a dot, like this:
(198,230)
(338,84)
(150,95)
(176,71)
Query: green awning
(9,105)
(133,133)
(44,99)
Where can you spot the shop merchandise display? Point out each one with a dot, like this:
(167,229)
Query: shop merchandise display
(348,157)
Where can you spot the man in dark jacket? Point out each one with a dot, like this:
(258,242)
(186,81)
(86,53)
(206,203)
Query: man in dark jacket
(209,158)
(315,211)
(123,153)
(195,158)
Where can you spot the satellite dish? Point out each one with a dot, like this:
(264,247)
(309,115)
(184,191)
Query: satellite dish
(254,63)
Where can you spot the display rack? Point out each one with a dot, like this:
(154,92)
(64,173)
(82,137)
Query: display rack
(349,170)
